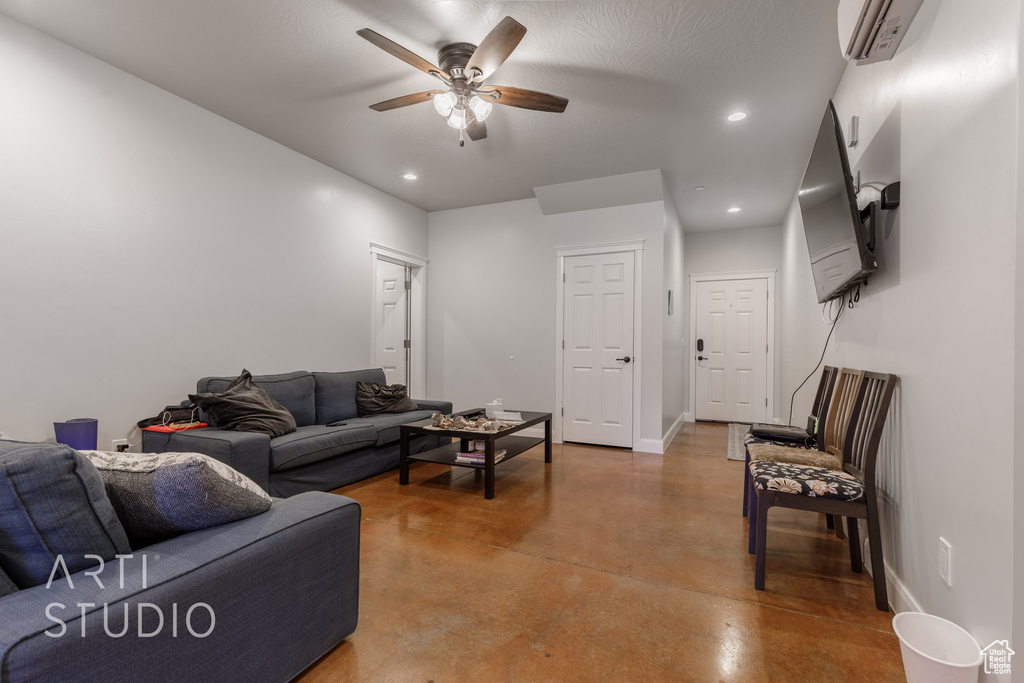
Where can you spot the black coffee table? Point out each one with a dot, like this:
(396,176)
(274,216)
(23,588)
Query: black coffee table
(514,445)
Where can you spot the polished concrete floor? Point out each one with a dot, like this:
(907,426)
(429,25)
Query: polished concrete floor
(603,566)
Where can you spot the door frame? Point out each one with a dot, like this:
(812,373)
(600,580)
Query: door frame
(418,312)
(637,247)
(696,278)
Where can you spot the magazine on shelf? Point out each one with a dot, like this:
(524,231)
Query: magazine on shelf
(477,458)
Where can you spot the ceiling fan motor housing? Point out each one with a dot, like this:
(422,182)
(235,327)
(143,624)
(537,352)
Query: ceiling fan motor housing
(454,57)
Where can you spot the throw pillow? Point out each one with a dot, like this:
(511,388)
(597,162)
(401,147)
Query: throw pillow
(159,496)
(245,407)
(374,399)
(52,503)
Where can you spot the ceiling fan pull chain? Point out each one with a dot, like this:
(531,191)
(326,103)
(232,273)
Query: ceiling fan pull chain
(462,140)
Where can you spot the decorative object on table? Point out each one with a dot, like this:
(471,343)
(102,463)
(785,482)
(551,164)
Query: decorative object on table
(159,496)
(246,407)
(377,399)
(79,433)
(494,406)
(464,423)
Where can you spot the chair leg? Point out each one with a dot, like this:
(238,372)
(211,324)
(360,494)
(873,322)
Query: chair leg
(840,534)
(877,565)
(746,483)
(752,497)
(854,533)
(830,521)
(765,499)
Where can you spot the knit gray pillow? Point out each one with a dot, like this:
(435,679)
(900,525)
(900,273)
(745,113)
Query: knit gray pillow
(159,496)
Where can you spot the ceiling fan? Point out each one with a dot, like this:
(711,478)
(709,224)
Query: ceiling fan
(467,101)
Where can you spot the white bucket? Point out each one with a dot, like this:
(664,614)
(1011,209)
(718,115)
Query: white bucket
(935,650)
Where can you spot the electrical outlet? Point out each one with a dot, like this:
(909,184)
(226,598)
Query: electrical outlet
(119,445)
(945,561)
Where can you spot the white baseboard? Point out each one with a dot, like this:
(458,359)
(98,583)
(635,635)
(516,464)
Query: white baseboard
(650,446)
(687,417)
(672,431)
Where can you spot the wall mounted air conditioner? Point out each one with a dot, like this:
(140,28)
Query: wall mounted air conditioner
(871,30)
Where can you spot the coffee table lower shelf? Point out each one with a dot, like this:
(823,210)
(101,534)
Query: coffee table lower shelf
(445,455)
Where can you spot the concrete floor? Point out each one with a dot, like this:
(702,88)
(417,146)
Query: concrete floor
(603,566)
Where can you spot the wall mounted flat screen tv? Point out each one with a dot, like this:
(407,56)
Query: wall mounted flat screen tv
(839,235)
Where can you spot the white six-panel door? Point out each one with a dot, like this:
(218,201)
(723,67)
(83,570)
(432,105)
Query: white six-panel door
(391,316)
(731,370)
(597,391)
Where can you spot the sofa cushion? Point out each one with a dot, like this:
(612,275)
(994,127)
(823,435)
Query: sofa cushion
(246,407)
(293,390)
(336,393)
(6,585)
(318,442)
(387,425)
(378,399)
(52,503)
(159,496)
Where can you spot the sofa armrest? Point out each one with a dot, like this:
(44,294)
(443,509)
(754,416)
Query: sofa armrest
(283,589)
(443,407)
(247,452)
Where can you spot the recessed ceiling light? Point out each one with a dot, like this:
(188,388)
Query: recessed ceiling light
(699,188)
(737,116)
(735,209)
(410,176)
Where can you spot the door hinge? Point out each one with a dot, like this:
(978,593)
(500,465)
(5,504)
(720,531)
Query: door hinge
(408,343)
(408,284)
(765,401)
(563,412)
(563,345)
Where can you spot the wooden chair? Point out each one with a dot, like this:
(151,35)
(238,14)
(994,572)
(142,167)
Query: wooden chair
(822,400)
(849,492)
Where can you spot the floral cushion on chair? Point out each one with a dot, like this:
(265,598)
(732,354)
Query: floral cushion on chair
(802,480)
(795,456)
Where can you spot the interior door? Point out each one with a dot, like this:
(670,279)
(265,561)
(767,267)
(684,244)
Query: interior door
(732,350)
(391,321)
(598,351)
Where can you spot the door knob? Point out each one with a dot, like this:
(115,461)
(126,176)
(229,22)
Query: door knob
(702,358)
(625,360)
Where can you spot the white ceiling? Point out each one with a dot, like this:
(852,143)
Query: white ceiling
(649,83)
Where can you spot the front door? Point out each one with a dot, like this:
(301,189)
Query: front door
(391,321)
(597,382)
(732,350)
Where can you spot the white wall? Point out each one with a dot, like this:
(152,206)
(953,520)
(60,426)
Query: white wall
(148,242)
(942,117)
(740,250)
(674,357)
(491,315)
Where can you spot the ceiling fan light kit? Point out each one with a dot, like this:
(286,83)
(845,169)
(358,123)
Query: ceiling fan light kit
(463,68)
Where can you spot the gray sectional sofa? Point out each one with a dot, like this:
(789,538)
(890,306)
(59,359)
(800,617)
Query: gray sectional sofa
(258,599)
(332,446)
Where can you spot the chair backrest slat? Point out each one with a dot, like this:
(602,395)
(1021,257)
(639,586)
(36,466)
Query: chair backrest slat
(839,414)
(822,400)
(865,431)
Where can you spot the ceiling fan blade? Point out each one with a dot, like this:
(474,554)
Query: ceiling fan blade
(495,48)
(407,56)
(405,100)
(527,99)
(476,130)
